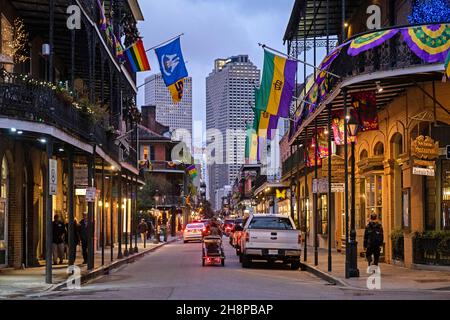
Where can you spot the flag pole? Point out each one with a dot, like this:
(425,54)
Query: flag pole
(164,42)
(295,59)
(158,45)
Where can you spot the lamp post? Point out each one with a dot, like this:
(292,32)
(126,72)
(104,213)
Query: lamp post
(156,240)
(352,127)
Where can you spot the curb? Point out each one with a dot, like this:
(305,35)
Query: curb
(104,270)
(323,275)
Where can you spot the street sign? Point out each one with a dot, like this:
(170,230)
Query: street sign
(423,171)
(53,176)
(90,194)
(447,148)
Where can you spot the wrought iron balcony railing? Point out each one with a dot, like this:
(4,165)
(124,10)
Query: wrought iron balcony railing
(39,103)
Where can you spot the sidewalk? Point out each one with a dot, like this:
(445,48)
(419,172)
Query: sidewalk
(16,283)
(392,277)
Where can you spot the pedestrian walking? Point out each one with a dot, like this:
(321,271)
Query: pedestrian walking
(142,229)
(59,235)
(150,229)
(373,239)
(83,232)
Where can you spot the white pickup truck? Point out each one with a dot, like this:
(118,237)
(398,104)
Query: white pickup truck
(270,237)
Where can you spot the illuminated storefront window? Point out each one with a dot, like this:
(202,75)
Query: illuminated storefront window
(6,51)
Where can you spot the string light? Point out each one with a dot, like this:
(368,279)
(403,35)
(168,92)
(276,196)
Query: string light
(429,11)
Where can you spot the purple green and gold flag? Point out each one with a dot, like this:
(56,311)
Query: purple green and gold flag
(103,22)
(277,85)
(267,124)
(192,171)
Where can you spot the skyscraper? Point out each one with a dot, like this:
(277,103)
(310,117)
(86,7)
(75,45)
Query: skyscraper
(230,91)
(175,116)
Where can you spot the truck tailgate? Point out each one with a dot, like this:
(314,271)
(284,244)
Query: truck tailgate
(273,239)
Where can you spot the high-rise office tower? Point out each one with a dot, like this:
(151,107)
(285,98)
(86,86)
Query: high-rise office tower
(175,116)
(230,92)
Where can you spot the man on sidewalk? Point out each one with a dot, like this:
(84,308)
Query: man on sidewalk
(84,237)
(142,230)
(373,239)
(59,234)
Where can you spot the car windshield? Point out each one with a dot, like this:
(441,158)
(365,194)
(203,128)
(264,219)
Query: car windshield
(273,223)
(229,222)
(239,221)
(195,226)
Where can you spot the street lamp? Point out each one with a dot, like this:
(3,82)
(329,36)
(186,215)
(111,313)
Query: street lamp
(352,127)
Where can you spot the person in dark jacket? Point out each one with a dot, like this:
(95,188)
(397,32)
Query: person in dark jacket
(373,239)
(59,235)
(142,229)
(83,232)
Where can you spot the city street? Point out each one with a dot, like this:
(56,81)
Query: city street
(174,272)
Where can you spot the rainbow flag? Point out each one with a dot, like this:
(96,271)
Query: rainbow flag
(277,85)
(192,170)
(447,65)
(137,58)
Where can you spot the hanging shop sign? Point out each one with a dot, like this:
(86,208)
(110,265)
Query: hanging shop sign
(321,186)
(424,147)
(424,150)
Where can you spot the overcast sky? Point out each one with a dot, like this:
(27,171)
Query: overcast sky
(213,29)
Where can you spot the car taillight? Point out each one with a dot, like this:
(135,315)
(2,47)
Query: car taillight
(299,238)
(204,229)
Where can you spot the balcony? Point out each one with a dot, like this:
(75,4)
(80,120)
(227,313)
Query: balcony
(41,104)
(294,161)
(167,167)
(392,63)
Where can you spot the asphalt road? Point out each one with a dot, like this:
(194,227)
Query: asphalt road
(174,272)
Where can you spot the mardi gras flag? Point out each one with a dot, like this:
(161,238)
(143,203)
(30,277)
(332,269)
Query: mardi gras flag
(119,49)
(173,68)
(447,65)
(251,144)
(192,171)
(267,124)
(277,85)
(430,43)
(365,106)
(137,58)
(103,22)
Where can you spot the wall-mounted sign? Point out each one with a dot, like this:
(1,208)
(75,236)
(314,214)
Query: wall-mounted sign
(53,176)
(424,147)
(80,176)
(423,171)
(321,186)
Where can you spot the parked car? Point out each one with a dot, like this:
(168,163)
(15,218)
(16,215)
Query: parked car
(193,231)
(270,237)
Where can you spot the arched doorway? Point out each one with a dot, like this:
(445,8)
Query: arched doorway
(4,195)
